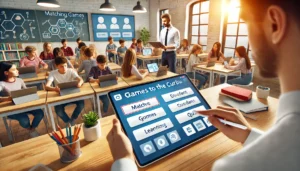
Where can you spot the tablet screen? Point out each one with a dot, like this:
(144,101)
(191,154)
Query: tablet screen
(153,67)
(147,51)
(158,117)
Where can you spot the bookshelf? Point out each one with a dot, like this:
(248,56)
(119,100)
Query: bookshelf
(11,52)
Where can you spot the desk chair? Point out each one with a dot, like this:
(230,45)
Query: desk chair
(10,131)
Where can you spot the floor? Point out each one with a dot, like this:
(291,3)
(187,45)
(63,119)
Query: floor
(21,134)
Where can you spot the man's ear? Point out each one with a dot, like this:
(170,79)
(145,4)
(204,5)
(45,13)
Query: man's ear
(278,20)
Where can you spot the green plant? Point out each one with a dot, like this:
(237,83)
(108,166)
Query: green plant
(90,119)
(144,35)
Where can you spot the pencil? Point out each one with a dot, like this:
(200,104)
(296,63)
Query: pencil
(54,139)
(70,134)
(78,131)
(62,134)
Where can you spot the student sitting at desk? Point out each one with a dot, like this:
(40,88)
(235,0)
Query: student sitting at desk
(61,75)
(128,67)
(184,48)
(133,44)
(215,54)
(122,49)
(82,46)
(68,52)
(56,53)
(47,52)
(244,65)
(77,49)
(111,49)
(139,51)
(87,64)
(9,82)
(32,59)
(193,60)
(99,70)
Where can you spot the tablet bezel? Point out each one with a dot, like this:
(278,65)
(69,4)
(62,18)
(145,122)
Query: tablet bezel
(179,148)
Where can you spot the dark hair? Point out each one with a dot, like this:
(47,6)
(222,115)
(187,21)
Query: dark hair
(259,7)
(109,38)
(241,50)
(133,39)
(56,51)
(217,54)
(60,60)
(81,44)
(4,66)
(121,41)
(167,16)
(88,52)
(101,59)
(30,49)
(78,39)
(139,41)
(63,41)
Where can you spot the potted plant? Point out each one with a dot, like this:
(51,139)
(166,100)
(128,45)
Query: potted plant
(91,127)
(144,36)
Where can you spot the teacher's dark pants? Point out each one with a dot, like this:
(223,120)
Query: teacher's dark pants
(169,59)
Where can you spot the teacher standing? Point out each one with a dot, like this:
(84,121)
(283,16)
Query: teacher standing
(169,37)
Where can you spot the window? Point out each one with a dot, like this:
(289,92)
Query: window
(199,15)
(235,30)
(161,12)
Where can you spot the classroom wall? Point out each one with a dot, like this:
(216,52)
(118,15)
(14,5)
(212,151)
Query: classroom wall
(87,6)
(178,9)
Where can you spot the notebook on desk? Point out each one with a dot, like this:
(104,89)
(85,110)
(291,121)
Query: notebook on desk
(68,88)
(107,80)
(27,72)
(247,107)
(24,95)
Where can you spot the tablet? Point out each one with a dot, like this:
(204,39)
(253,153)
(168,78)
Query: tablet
(153,67)
(158,117)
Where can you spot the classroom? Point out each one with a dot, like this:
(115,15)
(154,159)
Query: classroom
(149,85)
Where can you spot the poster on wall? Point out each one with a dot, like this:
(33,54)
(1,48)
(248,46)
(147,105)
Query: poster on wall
(116,26)
(55,25)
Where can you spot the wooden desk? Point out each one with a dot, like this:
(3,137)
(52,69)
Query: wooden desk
(169,74)
(41,78)
(103,91)
(147,58)
(114,67)
(53,99)
(8,108)
(96,155)
(205,69)
(217,69)
(134,81)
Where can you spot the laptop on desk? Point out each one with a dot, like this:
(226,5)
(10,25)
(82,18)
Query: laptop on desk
(27,72)
(68,88)
(107,80)
(147,51)
(160,71)
(210,64)
(24,95)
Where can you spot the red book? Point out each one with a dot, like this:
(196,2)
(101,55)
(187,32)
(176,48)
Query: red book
(237,92)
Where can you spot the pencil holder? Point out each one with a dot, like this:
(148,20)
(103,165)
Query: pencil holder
(70,152)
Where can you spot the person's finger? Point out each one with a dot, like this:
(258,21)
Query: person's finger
(227,108)
(219,113)
(215,121)
(117,126)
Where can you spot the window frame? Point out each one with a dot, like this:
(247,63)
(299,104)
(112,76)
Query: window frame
(237,35)
(190,35)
